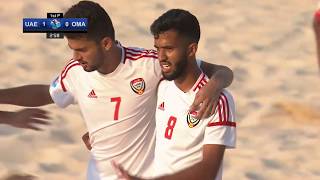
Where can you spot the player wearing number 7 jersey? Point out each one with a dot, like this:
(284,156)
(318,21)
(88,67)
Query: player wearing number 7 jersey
(186,147)
(115,88)
(116,108)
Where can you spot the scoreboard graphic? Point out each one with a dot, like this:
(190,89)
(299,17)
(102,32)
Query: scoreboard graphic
(55,25)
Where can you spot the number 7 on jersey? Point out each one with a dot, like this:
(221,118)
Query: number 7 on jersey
(117,100)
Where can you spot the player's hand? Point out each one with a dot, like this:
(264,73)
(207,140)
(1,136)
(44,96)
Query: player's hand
(29,118)
(206,100)
(86,140)
(316,19)
(121,173)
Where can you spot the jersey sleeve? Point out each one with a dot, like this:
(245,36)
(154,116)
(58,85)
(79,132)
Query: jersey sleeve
(61,89)
(152,65)
(221,127)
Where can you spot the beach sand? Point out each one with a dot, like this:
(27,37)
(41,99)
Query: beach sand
(268,44)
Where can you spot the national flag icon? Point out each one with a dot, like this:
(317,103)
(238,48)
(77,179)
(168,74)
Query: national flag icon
(92,94)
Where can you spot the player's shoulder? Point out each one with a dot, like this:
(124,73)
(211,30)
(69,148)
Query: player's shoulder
(72,71)
(225,109)
(226,100)
(136,54)
(163,86)
(72,65)
(139,50)
(227,95)
(164,83)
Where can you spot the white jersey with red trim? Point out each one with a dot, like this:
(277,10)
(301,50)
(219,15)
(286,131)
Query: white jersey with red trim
(118,108)
(180,137)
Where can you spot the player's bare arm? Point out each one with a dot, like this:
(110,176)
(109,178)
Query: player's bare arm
(206,169)
(219,73)
(28,95)
(207,97)
(29,118)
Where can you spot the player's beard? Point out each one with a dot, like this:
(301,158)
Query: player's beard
(180,68)
(90,68)
(97,62)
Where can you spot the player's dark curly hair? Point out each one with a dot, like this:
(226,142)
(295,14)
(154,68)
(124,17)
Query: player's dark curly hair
(181,21)
(99,22)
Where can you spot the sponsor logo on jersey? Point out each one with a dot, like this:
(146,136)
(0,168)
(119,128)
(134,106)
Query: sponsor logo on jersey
(161,106)
(138,86)
(92,94)
(191,120)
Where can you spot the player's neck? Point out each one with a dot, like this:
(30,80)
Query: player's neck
(189,77)
(111,60)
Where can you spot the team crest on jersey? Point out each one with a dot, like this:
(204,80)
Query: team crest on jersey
(138,86)
(191,120)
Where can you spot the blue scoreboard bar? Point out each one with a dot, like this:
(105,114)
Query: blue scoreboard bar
(76,25)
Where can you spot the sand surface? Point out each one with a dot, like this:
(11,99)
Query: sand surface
(268,44)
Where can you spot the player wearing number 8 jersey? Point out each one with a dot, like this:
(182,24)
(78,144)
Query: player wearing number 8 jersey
(186,147)
(180,138)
